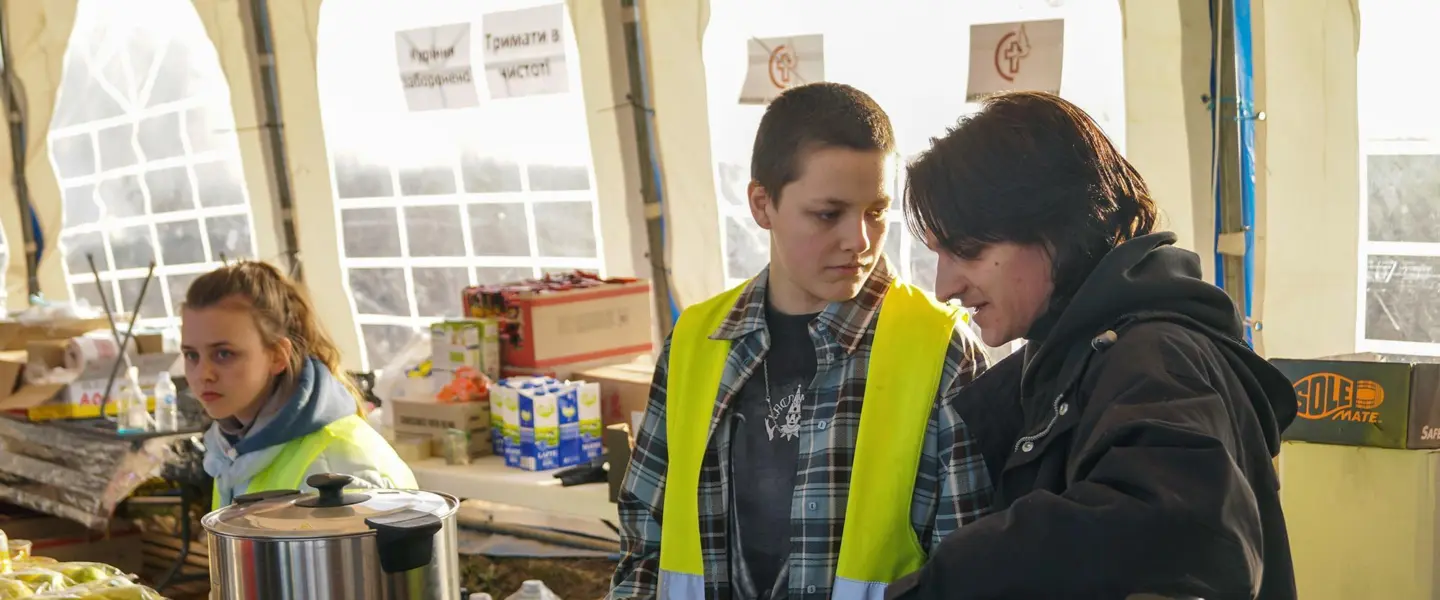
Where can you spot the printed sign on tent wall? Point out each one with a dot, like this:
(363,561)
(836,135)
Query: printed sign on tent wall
(778,64)
(435,67)
(525,52)
(1021,56)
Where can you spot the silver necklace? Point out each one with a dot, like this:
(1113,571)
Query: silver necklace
(765,367)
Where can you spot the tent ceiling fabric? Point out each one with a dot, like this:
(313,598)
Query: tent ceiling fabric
(1149,100)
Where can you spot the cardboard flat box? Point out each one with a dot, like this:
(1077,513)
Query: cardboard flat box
(1356,400)
(624,390)
(545,329)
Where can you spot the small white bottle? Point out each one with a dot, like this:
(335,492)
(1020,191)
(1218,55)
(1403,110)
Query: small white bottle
(533,589)
(167,414)
(130,410)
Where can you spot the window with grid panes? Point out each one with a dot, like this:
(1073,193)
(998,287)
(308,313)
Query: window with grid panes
(143,144)
(429,202)
(1400,175)
(889,55)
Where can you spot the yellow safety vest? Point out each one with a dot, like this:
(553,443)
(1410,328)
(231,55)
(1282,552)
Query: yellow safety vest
(288,468)
(879,544)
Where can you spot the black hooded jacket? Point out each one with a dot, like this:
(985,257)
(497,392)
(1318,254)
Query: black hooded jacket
(1130,449)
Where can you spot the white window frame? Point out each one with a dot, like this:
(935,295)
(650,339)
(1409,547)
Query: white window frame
(1369,248)
(536,263)
(212,102)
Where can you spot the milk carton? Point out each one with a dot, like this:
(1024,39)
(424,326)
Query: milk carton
(505,417)
(539,413)
(498,397)
(568,398)
(505,436)
(591,427)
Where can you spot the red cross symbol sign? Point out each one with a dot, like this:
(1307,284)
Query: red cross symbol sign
(1013,48)
(783,63)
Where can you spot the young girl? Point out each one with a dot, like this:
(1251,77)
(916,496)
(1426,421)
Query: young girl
(270,377)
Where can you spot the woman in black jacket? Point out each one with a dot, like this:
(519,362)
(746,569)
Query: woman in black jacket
(1131,442)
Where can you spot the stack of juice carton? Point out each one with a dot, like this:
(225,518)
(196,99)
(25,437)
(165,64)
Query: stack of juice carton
(542,423)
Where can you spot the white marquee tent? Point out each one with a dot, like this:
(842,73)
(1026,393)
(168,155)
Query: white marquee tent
(146,136)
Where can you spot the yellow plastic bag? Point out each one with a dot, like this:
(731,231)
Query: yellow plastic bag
(39,580)
(130,591)
(85,572)
(13,590)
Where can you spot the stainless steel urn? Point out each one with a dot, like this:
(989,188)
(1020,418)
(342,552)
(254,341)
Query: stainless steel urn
(335,544)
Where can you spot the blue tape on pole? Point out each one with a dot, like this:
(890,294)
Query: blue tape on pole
(1245,90)
(1215,186)
(653,158)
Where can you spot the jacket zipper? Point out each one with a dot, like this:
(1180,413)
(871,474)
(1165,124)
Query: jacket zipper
(1100,342)
(1054,416)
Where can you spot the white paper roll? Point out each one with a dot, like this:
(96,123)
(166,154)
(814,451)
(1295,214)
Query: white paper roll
(87,349)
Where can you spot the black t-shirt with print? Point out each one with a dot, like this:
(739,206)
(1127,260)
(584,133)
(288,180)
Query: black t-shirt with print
(766,446)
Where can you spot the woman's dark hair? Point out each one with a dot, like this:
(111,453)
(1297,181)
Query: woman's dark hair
(1029,168)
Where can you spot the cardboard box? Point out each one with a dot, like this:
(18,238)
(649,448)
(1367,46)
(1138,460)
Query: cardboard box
(1352,401)
(413,447)
(1362,521)
(152,343)
(433,419)
(624,390)
(14,336)
(50,353)
(124,551)
(64,540)
(573,370)
(542,329)
(38,526)
(12,367)
(81,399)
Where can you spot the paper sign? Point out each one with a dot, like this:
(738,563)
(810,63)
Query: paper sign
(778,64)
(435,67)
(1023,56)
(525,52)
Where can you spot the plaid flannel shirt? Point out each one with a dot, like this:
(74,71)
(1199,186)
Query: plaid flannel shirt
(952,487)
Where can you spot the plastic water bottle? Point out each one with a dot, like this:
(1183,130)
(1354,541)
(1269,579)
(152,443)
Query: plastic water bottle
(167,414)
(130,410)
(533,589)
